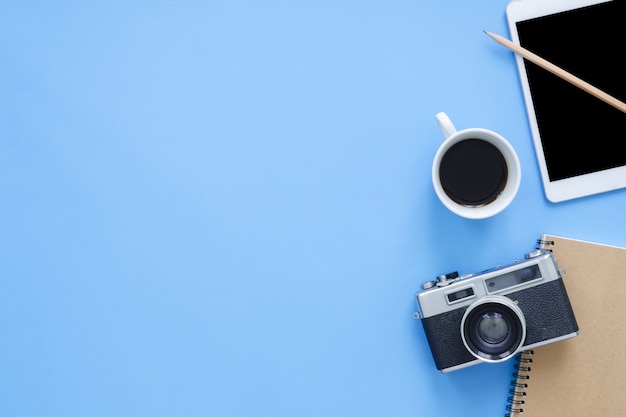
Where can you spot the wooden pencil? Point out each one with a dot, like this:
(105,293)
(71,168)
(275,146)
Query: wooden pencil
(560,72)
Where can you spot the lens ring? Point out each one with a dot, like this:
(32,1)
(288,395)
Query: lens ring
(493,329)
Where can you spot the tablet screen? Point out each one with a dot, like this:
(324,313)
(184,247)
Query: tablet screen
(579,133)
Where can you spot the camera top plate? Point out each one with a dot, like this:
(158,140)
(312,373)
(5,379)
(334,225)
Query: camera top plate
(451,291)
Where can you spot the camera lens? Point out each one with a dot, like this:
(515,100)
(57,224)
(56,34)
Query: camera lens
(493,328)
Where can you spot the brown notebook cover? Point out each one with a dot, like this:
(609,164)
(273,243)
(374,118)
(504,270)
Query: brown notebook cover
(584,375)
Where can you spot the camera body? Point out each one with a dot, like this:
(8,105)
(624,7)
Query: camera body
(492,315)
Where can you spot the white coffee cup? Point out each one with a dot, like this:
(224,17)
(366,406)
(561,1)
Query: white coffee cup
(476,172)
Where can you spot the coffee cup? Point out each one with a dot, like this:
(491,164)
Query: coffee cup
(476,172)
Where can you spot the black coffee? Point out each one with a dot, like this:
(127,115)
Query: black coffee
(473,172)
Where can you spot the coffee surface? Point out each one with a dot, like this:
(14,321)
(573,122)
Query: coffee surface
(473,172)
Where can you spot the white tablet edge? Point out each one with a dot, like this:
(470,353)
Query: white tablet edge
(575,187)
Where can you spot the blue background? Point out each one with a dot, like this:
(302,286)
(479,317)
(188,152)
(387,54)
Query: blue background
(225,208)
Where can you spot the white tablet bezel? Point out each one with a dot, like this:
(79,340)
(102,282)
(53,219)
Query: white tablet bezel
(582,185)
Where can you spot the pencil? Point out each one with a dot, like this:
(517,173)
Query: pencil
(560,72)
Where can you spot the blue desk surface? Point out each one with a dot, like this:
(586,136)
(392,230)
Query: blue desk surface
(225,208)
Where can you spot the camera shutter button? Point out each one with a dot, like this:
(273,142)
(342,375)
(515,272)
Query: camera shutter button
(447,279)
(428,285)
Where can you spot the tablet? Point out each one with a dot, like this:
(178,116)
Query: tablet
(579,139)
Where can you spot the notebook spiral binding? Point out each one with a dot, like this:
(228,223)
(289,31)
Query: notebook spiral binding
(520,383)
(544,244)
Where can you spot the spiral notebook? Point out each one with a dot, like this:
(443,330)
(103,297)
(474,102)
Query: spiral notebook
(585,375)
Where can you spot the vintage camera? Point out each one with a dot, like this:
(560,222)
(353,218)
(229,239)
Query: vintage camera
(491,315)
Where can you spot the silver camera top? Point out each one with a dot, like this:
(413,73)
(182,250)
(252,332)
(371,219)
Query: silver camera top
(451,291)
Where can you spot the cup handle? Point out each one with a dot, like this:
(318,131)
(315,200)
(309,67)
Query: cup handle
(445,124)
